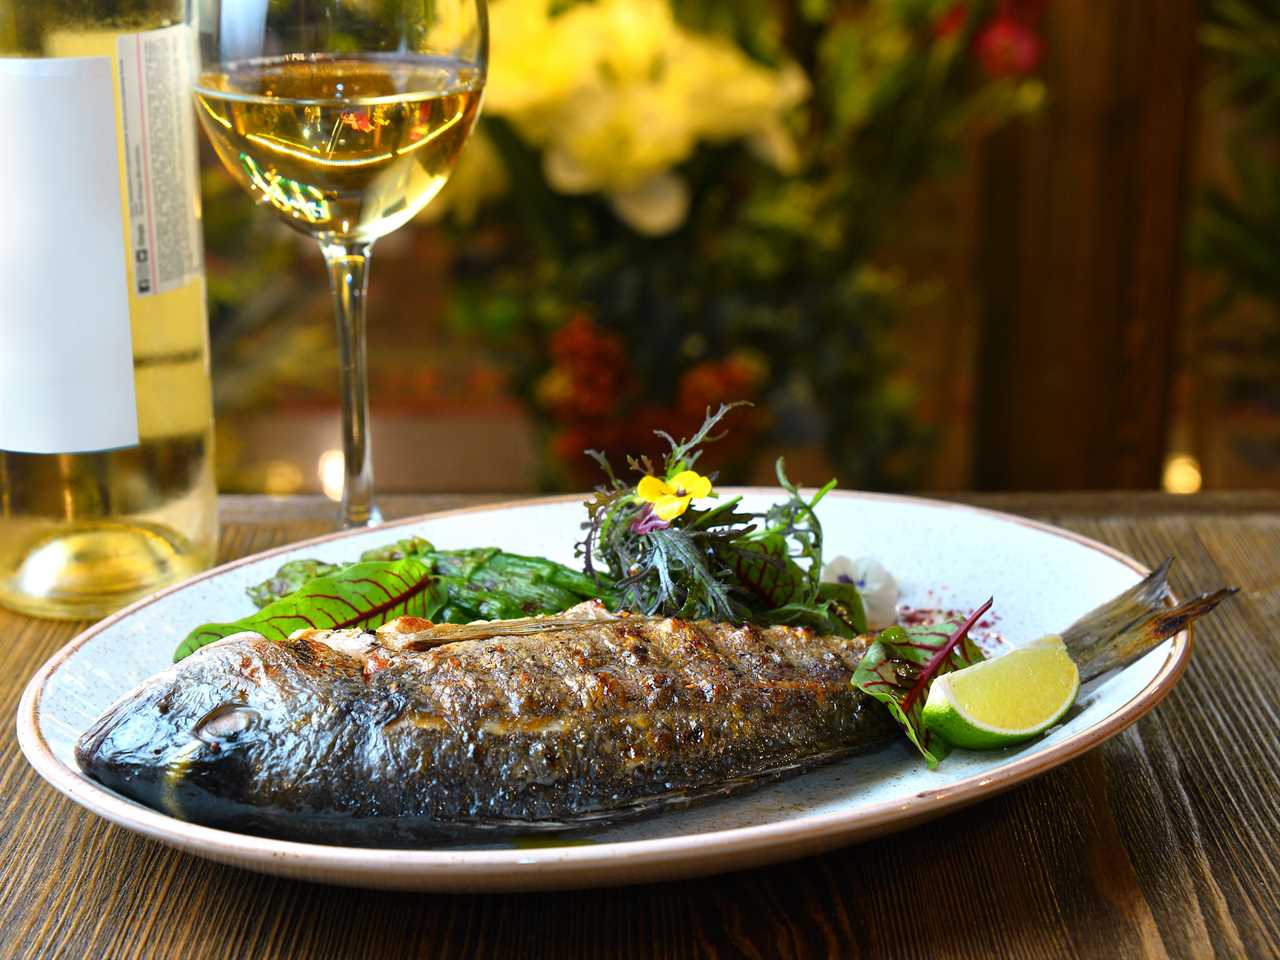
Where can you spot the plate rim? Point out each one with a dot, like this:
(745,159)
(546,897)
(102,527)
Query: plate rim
(679,855)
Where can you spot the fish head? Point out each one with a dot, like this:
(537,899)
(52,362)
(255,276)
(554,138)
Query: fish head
(207,728)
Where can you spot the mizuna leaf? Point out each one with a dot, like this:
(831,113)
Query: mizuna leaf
(364,594)
(899,667)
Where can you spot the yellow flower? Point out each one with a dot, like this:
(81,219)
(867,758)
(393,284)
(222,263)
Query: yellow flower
(670,498)
(617,93)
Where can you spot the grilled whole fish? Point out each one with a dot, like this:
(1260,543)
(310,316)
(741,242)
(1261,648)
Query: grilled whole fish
(422,732)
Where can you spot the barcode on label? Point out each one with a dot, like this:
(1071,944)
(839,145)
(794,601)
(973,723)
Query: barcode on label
(160,157)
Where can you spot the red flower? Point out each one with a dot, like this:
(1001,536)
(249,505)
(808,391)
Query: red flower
(950,23)
(589,372)
(581,345)
(1007,47)
(712,382)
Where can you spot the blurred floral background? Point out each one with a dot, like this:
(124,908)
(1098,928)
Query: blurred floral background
(819,206)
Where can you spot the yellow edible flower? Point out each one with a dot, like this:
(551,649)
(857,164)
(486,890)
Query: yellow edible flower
(670,498)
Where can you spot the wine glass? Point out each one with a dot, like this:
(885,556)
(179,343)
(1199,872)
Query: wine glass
(346,117)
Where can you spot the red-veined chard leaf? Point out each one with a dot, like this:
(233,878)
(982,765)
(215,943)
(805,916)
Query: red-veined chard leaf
(837,609)
(765,569)
(290,577)
(362,595)
(901,664)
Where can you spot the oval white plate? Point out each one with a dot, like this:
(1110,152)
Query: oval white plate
(943,555)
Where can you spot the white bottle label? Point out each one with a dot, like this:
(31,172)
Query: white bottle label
(66,286)
(66,356)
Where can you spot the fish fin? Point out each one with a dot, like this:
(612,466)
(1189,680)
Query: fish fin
(1123,629)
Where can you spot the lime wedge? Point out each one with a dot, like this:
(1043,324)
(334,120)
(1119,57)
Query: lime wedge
(1006,700)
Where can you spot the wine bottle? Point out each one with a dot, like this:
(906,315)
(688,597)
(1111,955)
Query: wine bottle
(106,423)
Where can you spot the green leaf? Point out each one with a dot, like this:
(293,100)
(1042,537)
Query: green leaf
(294,574)
(490,584)
(366,594)
(410,547)
(287,579)
(461,563)
(764,569)
(837,610)
(843,604)
(899,667)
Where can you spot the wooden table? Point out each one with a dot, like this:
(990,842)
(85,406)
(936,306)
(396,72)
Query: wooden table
(1164,842)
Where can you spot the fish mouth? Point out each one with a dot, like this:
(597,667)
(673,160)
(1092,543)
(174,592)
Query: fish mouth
(140,749)
(126,750)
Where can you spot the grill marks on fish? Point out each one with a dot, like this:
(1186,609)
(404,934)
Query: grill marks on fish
(408,734)
(596,675)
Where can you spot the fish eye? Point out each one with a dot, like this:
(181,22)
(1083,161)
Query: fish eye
(225,722)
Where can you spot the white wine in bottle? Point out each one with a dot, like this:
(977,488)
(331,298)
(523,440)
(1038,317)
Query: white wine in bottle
(106,423)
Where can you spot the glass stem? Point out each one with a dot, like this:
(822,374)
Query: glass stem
(349,279)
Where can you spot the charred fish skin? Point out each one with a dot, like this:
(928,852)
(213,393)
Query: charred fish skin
(571,724)
(365,740)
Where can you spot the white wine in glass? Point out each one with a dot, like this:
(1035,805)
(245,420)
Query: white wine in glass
(346,118)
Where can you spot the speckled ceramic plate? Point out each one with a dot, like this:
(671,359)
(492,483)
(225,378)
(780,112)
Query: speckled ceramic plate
(943,555)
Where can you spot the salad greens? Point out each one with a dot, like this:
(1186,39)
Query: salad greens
(365,594)
(484,583)
(447,586)
(718,562)
(900,665)
(290,577)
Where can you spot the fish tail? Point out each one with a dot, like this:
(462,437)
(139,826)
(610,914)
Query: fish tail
(1123,629)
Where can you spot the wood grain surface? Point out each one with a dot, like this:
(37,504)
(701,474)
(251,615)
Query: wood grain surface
(1162,843)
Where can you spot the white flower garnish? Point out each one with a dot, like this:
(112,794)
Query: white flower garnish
(875,584)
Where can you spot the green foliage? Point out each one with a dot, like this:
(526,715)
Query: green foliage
(1237,230)
(769,260)
(289,578)
(1235,234)
(1244,37)
(1238,237)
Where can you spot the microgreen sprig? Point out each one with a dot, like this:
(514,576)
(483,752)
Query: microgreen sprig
(673,556)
